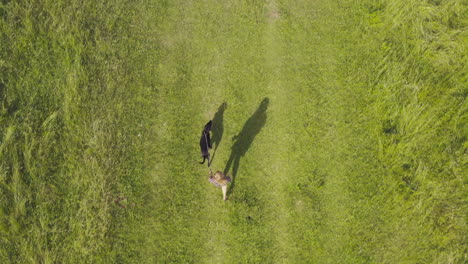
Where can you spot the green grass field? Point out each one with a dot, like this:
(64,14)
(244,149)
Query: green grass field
(344,126)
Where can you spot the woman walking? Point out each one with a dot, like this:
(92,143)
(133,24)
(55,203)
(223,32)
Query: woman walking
(220,180)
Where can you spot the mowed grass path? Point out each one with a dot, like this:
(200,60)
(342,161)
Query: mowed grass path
(342,123)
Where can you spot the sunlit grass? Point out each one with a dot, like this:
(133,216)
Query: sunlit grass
(359,155)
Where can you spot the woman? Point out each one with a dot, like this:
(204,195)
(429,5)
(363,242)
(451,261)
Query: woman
(220,180)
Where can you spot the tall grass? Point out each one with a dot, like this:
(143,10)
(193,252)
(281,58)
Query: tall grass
(75,122)
(407,59)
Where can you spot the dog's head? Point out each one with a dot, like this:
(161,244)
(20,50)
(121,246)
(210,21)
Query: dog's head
(208,127)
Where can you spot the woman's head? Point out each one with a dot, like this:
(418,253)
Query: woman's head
(221,178)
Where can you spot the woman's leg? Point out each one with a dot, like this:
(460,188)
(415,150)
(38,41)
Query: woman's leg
(224,188)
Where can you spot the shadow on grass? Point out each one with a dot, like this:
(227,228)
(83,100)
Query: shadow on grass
(2,91)
(244,139)
(218,128)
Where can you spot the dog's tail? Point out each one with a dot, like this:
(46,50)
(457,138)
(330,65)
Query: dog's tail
(204,158)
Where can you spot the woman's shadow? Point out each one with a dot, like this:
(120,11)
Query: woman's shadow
(244,139)
(218,128)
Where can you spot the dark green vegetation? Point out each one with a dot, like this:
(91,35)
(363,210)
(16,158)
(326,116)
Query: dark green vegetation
(342,123)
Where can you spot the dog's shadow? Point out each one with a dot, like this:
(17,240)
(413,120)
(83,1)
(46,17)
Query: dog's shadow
(244,139)
(218,128)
